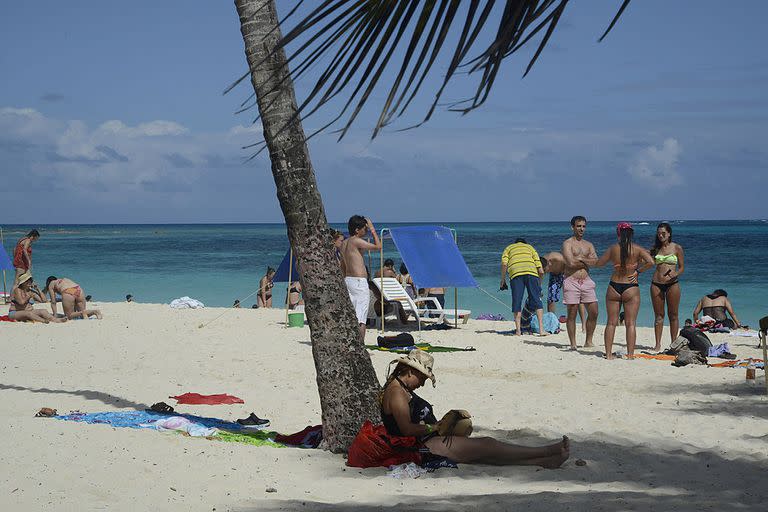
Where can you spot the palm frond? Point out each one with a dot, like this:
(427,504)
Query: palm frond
(358,40)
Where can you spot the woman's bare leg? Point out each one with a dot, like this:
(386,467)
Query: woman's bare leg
(29,315)
(486,450)
(658,299)
(673,306)
(631,300)
(612,306)
(47,317)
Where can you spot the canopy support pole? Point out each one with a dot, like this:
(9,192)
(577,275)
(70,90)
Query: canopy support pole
(5,290)
(765,359)
(288,289)
(456,291)
(381,279)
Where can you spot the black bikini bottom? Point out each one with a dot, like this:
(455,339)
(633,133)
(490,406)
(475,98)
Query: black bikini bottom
(621,287)
(664,287)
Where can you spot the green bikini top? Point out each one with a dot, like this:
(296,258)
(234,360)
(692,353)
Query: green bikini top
(669,259)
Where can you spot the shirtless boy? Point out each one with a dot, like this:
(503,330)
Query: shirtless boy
(578,287)
(556,268)
(355,273)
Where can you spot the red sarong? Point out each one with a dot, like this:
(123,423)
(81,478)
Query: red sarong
(374,447)
(198,399)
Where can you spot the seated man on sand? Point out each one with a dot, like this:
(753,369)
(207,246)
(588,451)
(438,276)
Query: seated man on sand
(72,298)
(406,414)
(21,309)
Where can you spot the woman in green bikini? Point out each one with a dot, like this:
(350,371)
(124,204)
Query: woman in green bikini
(665,286)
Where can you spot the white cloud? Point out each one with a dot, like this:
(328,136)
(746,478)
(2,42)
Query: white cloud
(116,158)
(656,167)
(150,129)
(254,129)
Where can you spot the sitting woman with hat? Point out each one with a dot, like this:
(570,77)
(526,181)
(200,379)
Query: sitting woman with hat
(22,310)
(406,414)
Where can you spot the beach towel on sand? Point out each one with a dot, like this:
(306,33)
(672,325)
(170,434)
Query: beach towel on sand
(226,431)
(198,399)
(6,318)
(423,346)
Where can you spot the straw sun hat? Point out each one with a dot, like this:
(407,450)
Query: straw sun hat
(419,361)
(26,276)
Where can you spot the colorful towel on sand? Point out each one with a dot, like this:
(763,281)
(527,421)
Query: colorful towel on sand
(661,357)
(423,346)
(145,419)
(255,438)
(198,399)
(740,363)
(228,431)
(6,318)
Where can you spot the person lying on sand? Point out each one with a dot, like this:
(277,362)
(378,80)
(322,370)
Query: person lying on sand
(72,298)
(406,414)
(22,310)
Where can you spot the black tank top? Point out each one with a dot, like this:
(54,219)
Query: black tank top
(420,409)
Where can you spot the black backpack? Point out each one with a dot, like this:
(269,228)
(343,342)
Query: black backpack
(697,340)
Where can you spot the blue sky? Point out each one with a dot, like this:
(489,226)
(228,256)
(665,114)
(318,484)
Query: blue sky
(113,113)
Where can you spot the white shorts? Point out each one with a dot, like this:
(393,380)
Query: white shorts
(359,294)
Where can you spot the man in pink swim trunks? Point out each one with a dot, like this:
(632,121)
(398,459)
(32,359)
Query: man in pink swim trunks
(578,287)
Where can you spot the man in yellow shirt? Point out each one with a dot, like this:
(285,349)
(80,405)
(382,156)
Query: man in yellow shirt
(521,261)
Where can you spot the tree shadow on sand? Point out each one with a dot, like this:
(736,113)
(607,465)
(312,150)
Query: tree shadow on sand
(721,398)
(650,478)
(88,394)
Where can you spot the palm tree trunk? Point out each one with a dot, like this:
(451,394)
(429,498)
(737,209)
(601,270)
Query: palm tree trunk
(346,381)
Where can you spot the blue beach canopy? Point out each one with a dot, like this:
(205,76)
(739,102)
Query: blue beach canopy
(5,261)
(432,257)
(281,275)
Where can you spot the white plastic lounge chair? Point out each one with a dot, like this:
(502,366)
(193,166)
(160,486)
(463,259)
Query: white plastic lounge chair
(393,290)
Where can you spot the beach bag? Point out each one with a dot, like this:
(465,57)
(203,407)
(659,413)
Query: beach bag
(551,323)
(374,447)
(677,345)
(697,340)
(687,356)
(403,339)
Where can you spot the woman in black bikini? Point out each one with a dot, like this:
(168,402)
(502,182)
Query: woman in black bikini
(264,298)
(406,414)
(665,287)
(623,288)
(294,295)
(715,305)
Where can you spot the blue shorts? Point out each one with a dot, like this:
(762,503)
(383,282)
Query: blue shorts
(555,287)
(525,282)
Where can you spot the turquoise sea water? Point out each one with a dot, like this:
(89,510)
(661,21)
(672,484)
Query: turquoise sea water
(223,262)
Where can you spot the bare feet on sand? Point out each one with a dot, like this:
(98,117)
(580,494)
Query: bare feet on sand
(560,453)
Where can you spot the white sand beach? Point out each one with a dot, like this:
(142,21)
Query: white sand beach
(654,437)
